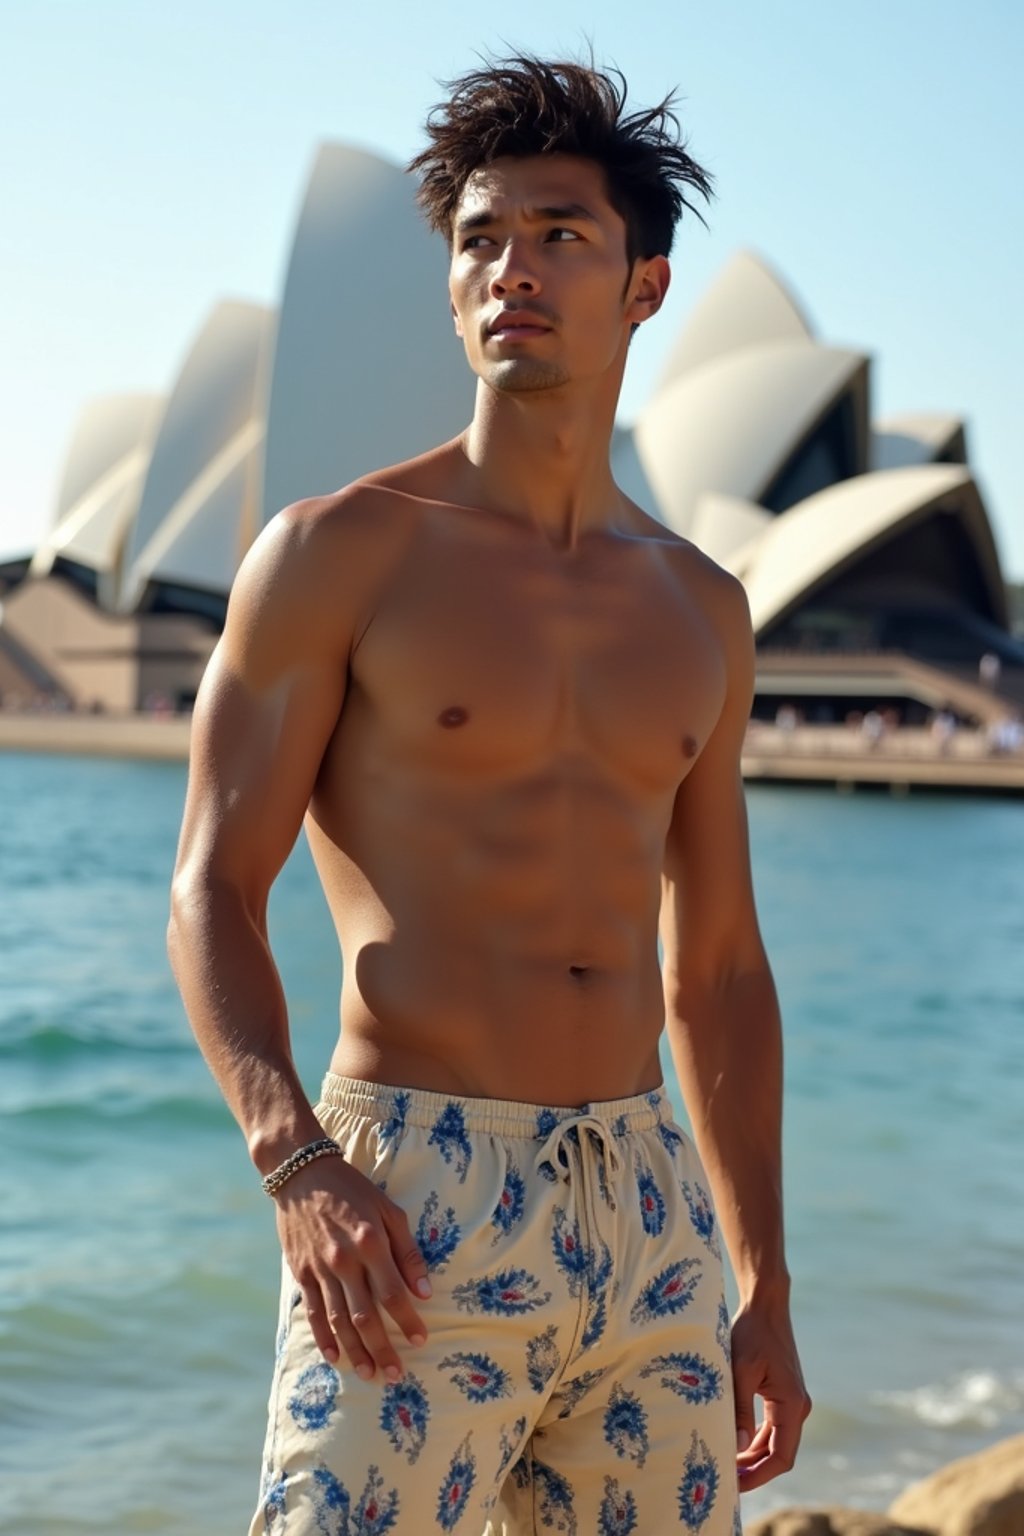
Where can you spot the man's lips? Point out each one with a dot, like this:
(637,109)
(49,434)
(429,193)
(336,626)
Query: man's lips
(518,320)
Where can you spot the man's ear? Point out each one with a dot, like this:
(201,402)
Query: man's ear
(648,287)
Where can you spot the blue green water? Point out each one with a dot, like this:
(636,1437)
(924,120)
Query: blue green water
(138,1264)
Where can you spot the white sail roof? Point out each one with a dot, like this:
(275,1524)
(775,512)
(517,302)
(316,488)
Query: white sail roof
(730,426)
(917,438)
(195,488)
(101,482)
(367,367)
(818,538)
(747,305)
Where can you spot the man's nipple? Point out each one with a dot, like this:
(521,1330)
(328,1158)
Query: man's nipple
(452,716)
(689,746)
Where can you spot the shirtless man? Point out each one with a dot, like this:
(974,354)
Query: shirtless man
(509,706)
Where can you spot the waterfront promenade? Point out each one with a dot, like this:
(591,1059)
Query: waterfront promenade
(163,737)
(902,759)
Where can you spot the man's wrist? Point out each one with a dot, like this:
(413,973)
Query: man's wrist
(764,1290)
(270,1146)
(323,1146)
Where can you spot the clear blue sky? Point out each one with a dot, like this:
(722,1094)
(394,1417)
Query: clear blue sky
(152,160)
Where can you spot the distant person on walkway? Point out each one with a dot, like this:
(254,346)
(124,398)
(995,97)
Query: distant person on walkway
(1006,735)
(509,706)
(989,668)
(943,730)
(873,728)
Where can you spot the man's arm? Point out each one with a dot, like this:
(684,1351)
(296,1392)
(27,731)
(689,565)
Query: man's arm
(266,710)
(722,1018)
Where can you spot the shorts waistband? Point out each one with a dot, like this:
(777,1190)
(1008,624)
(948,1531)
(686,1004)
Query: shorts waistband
(501,1117)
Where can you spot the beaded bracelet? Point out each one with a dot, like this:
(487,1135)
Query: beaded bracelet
(324,1146)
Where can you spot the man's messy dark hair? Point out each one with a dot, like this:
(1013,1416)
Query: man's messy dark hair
(522,105)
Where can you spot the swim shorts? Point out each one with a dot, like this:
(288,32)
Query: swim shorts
(576,1376)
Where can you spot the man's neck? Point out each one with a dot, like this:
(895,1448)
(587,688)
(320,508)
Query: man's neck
(542,457)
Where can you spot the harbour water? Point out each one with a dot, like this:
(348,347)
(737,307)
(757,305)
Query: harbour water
(138,1263)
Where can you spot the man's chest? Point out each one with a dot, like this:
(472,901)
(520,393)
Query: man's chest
(486,664)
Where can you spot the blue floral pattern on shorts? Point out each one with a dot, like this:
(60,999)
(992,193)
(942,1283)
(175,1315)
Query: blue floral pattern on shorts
(652,1201)
(508,1293)
(688,1375)
(476,1375)
(699,1485)
(450,1137)
(456,1488)
(541,1274)
(394,1125)
(625,1425)
(570,1393)
(437,1235)
(511,1203)
(405,1409)
(542,1359)
(702,1215)
(312,1402)
(554,1498)
(668,1292)
(618,1510)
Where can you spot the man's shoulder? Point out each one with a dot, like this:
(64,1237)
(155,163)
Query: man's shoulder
(714,588)
(362,514)
(317,568)
(372,512)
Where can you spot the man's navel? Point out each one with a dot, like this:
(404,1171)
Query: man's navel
(453,716)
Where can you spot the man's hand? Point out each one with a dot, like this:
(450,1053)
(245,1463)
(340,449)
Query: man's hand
(765,1362)
(351,1249)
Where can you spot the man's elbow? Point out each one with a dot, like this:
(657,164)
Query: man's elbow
(713,968)
(200,899)
(188,905)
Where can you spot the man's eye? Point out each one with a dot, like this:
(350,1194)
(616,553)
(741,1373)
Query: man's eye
(559,235)
(470,242)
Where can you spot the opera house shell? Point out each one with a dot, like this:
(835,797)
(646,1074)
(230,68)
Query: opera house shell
(864,546)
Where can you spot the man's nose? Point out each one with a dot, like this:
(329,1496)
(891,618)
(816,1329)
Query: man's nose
(514,273)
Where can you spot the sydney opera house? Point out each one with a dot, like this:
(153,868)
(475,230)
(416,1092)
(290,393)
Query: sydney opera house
(864,545)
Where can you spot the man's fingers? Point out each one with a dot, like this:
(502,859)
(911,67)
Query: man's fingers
(344,1338)
(331,1325)
(411,1263)
(746,1424)
(784,1423)
(368,1325)
(758,1447)
(319,1323)
(391,1291)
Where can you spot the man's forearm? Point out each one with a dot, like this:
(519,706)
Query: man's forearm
(726,1043)
(235,1004)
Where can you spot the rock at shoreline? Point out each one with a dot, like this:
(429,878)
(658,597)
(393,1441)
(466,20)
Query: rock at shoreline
(832,1522)
(980,1495)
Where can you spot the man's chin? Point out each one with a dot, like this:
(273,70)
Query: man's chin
(524,375)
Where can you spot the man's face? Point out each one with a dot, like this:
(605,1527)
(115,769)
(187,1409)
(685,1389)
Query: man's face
(538,278)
